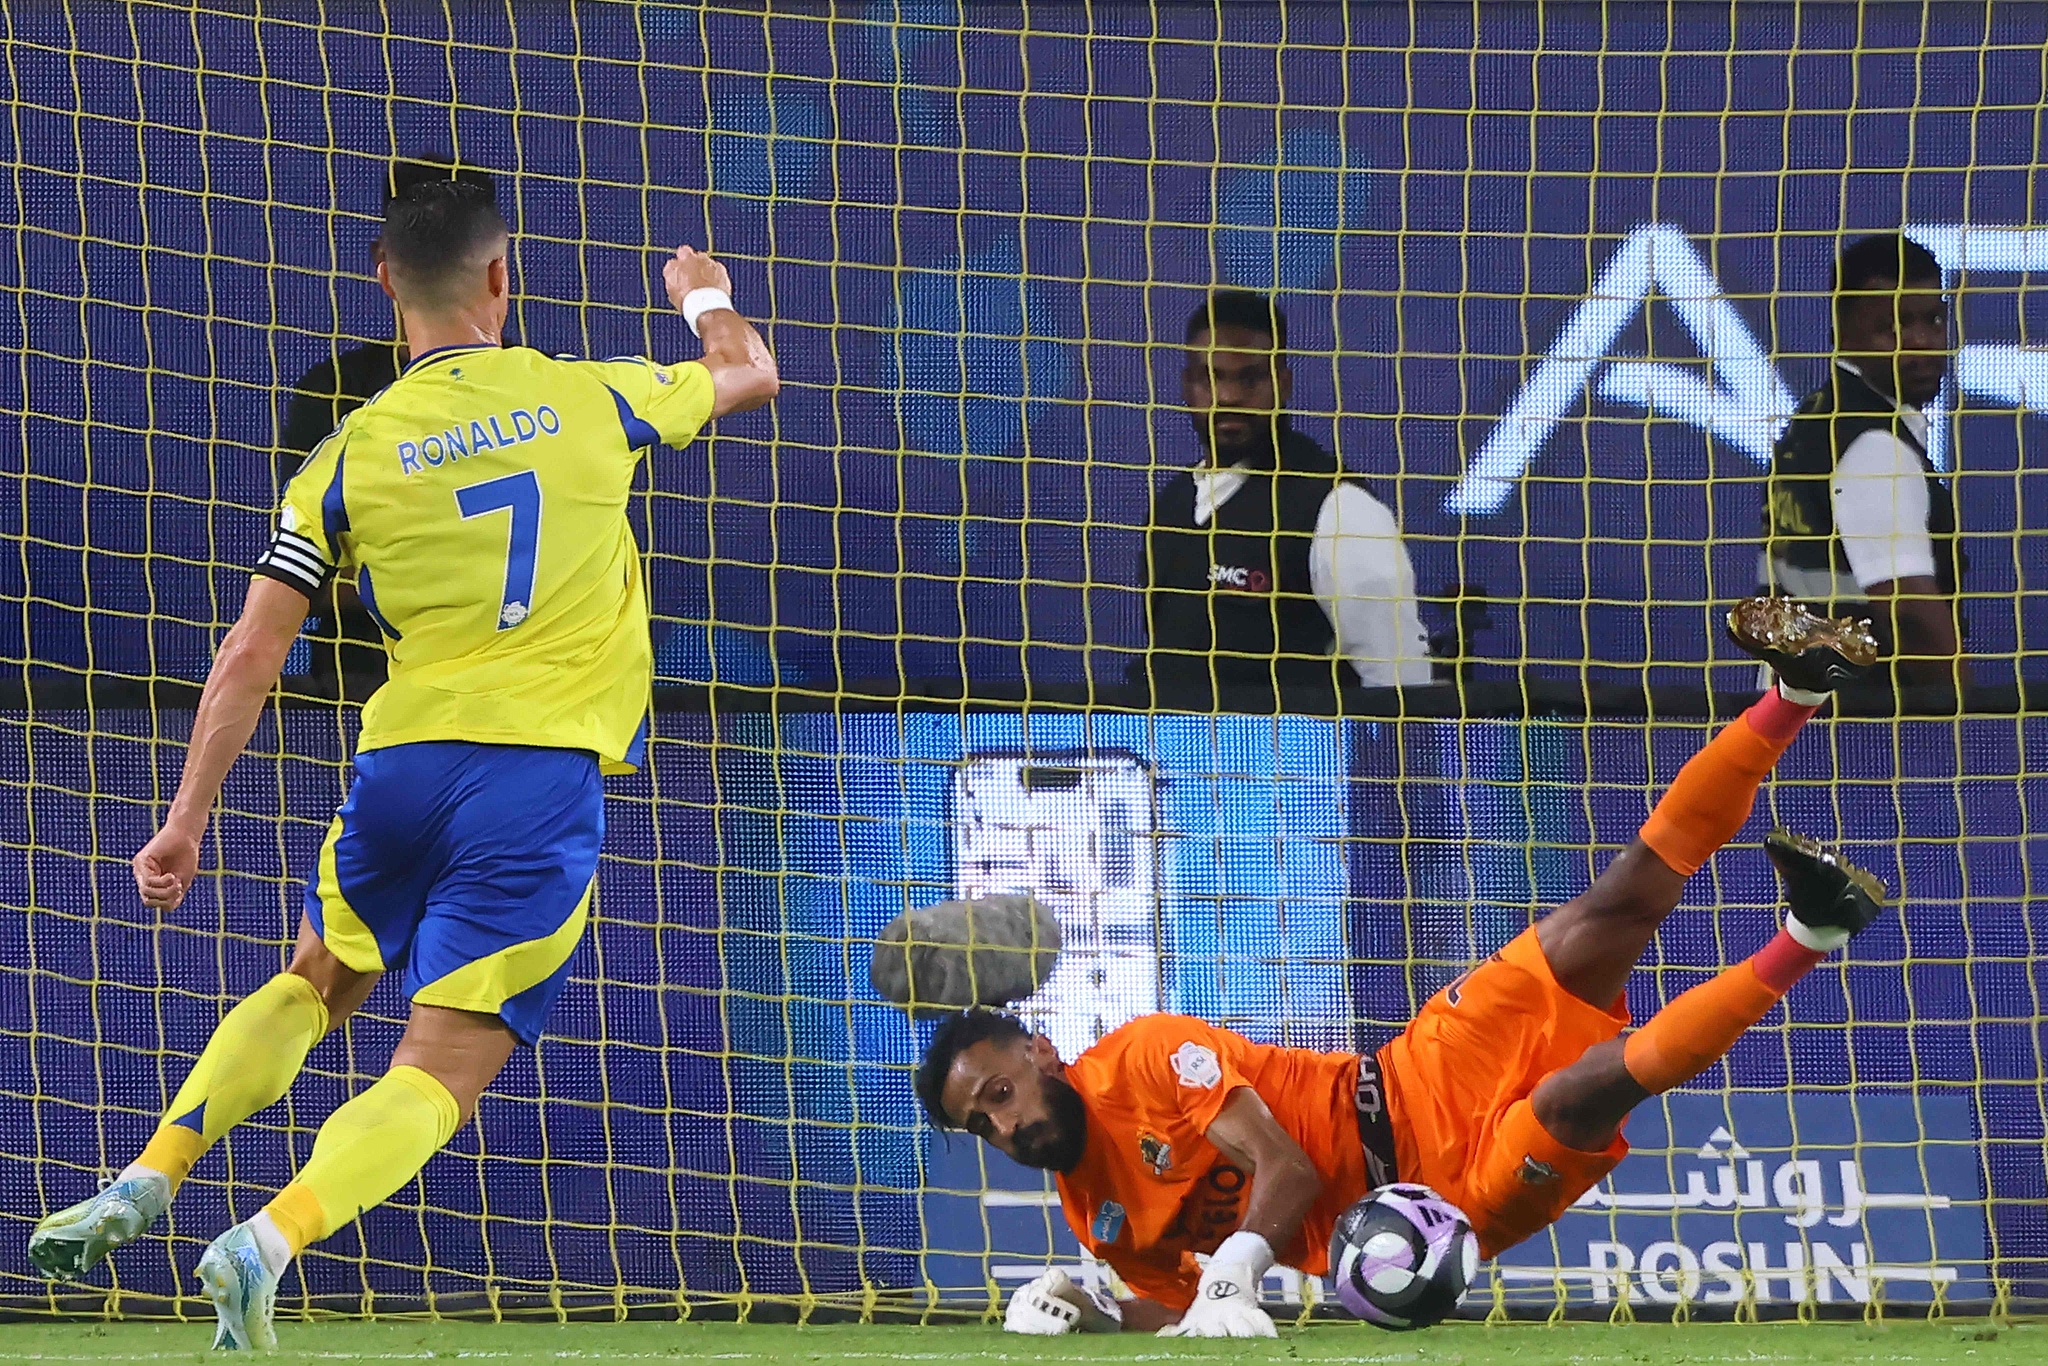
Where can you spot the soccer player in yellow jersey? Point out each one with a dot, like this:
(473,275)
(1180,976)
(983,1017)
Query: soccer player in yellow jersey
(481,500)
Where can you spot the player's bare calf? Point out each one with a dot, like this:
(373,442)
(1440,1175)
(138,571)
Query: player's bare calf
(1828,899)
(1594,940)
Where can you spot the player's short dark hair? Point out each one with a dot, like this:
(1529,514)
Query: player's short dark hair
(1889,256)
(438,227)
(1239,308)
(955,1035)
(402,176)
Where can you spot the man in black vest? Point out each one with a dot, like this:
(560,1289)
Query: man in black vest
(1269,571)
(1857,518)
(347,649)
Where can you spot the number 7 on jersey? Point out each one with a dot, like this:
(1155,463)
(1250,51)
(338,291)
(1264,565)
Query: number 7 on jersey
(519,493)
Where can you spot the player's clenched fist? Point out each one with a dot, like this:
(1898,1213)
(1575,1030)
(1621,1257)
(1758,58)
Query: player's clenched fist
(1040,1309)
(690,269)
(1053,1304)
(164,869)
(743,373)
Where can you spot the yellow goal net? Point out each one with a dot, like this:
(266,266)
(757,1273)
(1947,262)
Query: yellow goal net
(1553,279)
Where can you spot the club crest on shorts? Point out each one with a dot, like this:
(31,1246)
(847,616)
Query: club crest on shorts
(1109,1222)
(1155,1153)
(1197,1066)
(1535,1173)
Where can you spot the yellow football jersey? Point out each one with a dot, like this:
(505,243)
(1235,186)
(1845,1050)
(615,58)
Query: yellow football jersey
(482,500)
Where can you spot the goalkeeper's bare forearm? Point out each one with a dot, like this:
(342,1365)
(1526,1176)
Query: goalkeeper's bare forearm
(743,373)
(1146,1316)
(244,673)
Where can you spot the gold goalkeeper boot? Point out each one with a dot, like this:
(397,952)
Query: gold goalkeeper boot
(1807,650)
(72,1241)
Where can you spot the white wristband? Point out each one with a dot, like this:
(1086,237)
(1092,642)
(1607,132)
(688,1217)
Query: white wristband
(698,302)
(1245,1249)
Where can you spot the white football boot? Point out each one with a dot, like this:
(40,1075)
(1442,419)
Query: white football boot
(243,1289)
(73,1241)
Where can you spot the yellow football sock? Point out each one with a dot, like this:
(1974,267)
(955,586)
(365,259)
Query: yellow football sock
(248,1064)
(365,1151)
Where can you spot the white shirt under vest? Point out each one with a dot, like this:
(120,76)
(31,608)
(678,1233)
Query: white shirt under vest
(1361,575)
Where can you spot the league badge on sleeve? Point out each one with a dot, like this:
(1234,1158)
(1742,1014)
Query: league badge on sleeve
(1197,1066)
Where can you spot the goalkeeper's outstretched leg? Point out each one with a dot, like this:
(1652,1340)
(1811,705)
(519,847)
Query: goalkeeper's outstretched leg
(1537,1082)
(1827,899)
(1592,942)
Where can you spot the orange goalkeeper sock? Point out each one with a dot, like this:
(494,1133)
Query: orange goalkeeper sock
(1686,1037)
(1713,793)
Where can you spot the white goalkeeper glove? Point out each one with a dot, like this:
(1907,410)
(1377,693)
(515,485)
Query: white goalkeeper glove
(1052,1305)
(1227,1301)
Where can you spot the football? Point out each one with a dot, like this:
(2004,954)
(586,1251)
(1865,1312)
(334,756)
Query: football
(1403,1257)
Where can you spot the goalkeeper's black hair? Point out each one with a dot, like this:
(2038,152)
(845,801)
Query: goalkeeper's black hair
(957,1034)
(1240,308)
(439,227)
(1890,256)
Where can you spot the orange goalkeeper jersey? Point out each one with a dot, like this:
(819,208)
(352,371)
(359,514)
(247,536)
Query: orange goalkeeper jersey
(1150,1191)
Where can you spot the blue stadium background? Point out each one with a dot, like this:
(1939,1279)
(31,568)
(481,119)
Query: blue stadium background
(976,294)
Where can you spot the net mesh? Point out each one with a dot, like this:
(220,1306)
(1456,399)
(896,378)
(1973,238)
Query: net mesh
(1554,275)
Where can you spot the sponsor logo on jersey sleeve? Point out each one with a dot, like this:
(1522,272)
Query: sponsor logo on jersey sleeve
(1109,1222)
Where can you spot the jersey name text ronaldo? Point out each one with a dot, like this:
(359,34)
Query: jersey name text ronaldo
(480,502)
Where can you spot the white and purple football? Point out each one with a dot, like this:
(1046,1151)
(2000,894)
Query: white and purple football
(1403,1257)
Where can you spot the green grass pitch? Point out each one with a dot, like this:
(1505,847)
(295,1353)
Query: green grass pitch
(1896,1343)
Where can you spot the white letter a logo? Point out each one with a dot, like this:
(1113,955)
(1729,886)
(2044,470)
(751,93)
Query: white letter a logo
(1744,407)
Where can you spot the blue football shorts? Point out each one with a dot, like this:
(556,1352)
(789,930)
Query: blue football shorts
(467,868)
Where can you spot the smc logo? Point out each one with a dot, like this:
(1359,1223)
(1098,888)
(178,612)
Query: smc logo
(1238,577)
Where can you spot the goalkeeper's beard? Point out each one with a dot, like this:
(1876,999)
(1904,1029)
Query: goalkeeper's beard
(1054,1144)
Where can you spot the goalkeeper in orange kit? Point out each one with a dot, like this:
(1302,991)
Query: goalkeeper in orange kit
(1506,1093)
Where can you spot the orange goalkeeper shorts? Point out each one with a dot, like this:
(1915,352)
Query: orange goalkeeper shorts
(1458,1085)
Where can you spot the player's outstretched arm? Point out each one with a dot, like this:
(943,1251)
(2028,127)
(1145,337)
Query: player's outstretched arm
(743,373)
(244,672)
(1141,1315)
(1284,1185)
